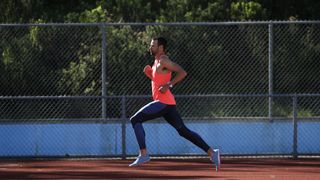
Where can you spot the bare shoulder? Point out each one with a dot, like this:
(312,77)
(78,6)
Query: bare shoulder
(164,59)
(170,65)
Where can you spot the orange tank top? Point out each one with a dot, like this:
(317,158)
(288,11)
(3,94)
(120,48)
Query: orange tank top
(159,79)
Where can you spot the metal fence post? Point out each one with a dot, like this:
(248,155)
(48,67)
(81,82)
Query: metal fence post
(123,126)
(295,127)
(103,71)
(270,68)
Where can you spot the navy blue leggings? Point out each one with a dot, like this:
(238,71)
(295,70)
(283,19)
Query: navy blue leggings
(157,109)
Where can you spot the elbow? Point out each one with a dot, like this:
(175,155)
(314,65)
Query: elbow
(184,73)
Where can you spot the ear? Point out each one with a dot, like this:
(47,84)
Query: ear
(161,48)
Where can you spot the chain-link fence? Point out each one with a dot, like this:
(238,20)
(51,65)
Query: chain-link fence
(252,87)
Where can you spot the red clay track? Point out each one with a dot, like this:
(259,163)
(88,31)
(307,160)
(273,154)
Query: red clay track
(232,169)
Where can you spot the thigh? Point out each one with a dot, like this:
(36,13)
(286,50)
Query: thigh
(173,118)
(150,111)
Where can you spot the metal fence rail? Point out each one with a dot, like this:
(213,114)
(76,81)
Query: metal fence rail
(29,108)
(91,74)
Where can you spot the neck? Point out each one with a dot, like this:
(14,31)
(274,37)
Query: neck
(159,54)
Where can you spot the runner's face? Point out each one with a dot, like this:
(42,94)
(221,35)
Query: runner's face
(154,48)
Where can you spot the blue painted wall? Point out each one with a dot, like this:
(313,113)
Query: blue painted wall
(233,137)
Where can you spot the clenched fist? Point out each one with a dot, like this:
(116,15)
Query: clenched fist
(148,71)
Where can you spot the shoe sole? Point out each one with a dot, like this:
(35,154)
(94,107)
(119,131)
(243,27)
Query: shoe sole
(139,164)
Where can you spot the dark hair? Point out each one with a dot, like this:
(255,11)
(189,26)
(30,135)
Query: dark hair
(161,41)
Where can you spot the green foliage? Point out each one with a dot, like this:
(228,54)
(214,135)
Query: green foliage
(16,61)
(7,57)
(80,77)
(155,10)
(90,16)
(126,58)
(129,11)
(193,11)
(247,11)
(52,61)
(295,59)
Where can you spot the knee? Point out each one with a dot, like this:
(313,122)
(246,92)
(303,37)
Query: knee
(134,119)
(183,131)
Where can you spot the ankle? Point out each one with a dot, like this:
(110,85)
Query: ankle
(143,152)
(210,152)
